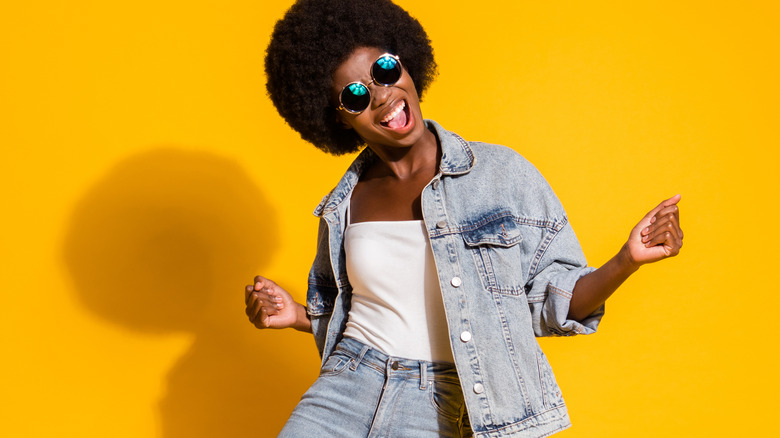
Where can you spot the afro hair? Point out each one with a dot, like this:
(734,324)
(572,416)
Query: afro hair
(314,38)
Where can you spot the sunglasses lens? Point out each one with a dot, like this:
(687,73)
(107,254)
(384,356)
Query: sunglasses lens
(355,97)
(386,70)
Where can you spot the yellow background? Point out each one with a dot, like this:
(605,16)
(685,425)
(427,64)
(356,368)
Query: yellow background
(146,178)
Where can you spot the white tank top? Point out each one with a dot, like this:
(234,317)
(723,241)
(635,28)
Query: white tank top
(396,300)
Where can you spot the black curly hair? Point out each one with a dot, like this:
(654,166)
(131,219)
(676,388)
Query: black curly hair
(313,38)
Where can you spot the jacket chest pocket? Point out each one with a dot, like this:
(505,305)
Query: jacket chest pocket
(495,247)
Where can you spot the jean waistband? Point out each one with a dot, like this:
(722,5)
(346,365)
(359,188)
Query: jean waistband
(396,366)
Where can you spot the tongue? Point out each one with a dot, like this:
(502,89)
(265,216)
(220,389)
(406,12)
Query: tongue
(399,121)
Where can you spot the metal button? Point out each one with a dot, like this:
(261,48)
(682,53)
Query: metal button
(478,388)
(435,184)
(441,224)
(456,281)
(395,365)
(465,336)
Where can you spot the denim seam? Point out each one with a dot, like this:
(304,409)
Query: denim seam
(543,248)
(511,347)
(560,292)
(533,418)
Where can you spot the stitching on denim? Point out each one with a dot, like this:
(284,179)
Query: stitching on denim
(511,347)
(483,273)
(543,247)
(541,380)
(497,432)
(559,291)
(552,224)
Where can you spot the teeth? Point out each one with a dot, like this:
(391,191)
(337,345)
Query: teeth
(397,110)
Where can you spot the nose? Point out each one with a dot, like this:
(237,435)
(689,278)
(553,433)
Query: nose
(380,94)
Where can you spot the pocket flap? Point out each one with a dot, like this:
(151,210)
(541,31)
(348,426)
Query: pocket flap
(501,231)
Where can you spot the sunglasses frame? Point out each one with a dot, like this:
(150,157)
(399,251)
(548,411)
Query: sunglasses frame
(373,80)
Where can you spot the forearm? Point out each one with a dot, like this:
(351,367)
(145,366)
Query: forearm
(592,290)
(657,236)
(302,321)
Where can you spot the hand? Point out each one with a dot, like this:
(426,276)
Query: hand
(658,235)
(270,306)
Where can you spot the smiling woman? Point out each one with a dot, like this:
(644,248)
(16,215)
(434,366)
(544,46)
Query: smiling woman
(439,260)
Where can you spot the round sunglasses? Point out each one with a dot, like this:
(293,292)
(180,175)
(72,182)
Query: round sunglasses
(385,71)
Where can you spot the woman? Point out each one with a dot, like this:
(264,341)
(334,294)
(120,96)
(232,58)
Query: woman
(439,260)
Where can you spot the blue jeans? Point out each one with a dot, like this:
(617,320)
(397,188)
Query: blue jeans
(362,392)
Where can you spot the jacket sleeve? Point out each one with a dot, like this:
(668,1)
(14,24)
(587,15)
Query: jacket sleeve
(322,289)
(560,264)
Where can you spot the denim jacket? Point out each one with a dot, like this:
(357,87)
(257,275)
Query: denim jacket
(507,260)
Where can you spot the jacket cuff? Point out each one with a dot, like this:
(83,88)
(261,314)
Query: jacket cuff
(556,307)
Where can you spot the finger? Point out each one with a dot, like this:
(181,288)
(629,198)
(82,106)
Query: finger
(666,211)
(250,306)
(258,318)
(274,296)
(251,311)
(262,298)
(668,227)
(248,293)
(265,320)
(664,223)
(261,282)
(669,241)
(665,203)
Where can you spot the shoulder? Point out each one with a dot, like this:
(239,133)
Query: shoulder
(503,173)
(497,158)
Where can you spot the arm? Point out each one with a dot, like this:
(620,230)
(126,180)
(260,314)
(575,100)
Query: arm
(657,236)
(270,306)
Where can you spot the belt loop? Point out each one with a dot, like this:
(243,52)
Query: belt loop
(423,375)
(356,361)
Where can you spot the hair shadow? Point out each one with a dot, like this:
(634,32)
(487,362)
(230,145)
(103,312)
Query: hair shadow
(165,242)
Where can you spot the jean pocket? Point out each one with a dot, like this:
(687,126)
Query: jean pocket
(335,364)
(447,398)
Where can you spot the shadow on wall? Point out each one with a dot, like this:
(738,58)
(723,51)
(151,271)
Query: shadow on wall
(165,243)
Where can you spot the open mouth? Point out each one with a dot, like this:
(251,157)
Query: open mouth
(398,117)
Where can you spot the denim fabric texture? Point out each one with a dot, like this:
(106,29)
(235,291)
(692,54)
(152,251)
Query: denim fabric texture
(507,260)
(362,392)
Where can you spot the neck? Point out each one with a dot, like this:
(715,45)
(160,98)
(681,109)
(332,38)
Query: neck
(403,163)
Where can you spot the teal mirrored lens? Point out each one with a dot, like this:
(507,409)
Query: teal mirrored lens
(386,70)
(355,97)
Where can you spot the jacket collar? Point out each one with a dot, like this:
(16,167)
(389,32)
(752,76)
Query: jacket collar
(456,159)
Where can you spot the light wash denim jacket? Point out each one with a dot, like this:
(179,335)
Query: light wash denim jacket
(507,260)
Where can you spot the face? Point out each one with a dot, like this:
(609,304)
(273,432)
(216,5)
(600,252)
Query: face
(393,117)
